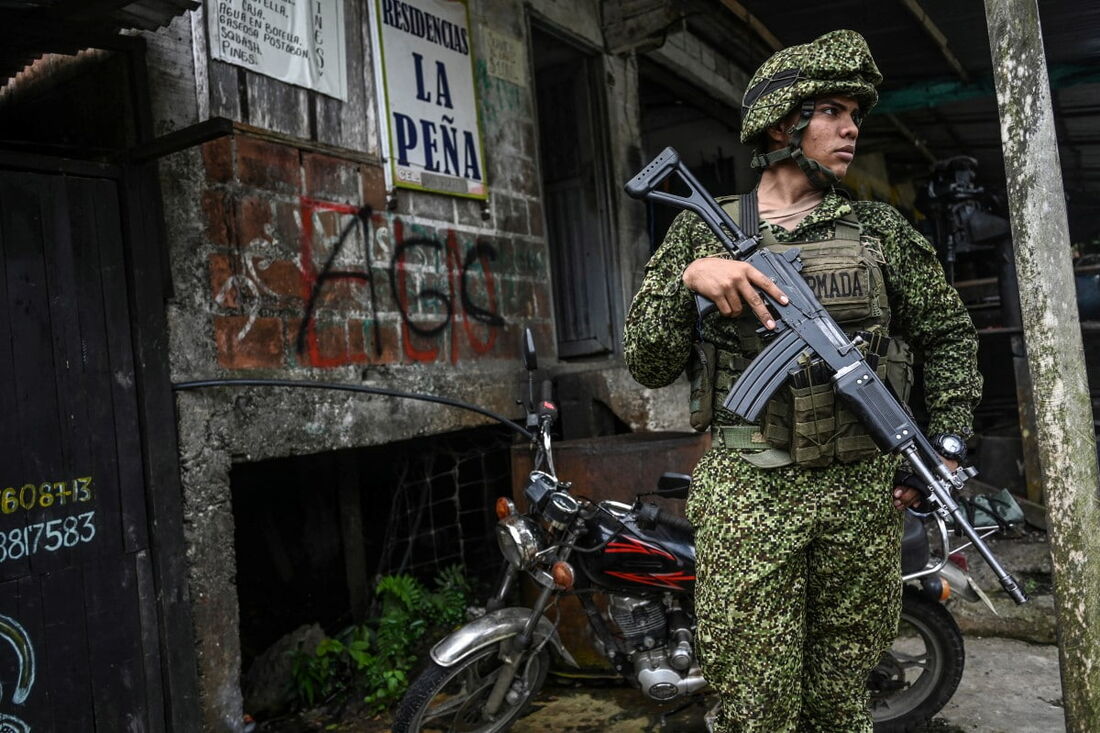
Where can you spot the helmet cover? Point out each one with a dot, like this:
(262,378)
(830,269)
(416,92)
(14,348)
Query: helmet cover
(838,62)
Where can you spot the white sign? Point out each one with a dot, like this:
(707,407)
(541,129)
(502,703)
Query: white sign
(300,42)
(505,58)
(431,102)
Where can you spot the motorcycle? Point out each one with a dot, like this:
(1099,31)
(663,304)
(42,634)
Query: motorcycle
(641,560)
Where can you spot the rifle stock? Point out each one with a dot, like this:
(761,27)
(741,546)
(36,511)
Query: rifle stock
(803,325)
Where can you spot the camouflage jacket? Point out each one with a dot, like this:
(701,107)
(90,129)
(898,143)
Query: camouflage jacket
(926,310)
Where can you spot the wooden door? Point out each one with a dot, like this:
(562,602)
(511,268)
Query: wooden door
(78,609)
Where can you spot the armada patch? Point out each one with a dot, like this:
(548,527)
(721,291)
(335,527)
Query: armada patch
(831,285)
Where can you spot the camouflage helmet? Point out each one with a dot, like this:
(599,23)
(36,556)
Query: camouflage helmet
(836,63)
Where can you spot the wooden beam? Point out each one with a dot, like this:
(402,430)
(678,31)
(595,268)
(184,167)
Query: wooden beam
(937,36)
(911,137)
(754,23)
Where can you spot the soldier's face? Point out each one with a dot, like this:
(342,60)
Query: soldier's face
(830,138)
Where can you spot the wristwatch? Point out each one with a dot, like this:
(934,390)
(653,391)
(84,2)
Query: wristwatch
(950,445)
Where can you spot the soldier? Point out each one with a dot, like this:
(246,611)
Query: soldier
(797,537)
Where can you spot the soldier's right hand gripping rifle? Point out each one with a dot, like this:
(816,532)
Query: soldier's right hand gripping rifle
(803,324)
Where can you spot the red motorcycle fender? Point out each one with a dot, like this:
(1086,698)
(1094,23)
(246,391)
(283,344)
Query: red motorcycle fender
(492,628)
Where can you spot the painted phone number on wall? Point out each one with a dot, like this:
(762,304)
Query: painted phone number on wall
(48,536)
(45,494)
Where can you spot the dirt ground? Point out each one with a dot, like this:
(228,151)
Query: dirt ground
(1008,686)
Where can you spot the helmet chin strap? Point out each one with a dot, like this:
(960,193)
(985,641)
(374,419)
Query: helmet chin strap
(820,176)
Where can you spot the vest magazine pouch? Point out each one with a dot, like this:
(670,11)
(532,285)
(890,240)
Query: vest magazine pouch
(701,369)
(899,369)
(813,422)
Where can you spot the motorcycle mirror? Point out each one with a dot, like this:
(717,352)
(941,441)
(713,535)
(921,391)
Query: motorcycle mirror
(530,356)
(674,485)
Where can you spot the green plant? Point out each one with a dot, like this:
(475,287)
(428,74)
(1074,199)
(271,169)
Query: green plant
(374,659)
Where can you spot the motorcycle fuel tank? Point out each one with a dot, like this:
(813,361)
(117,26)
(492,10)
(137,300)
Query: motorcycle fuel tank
(636,560)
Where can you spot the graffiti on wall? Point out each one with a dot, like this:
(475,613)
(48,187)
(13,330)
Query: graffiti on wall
(17,638)
(443,289)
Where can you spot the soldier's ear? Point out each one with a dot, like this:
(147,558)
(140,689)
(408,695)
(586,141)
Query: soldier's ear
(777,136)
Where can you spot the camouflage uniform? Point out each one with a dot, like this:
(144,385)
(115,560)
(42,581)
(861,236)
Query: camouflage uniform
(798,587)
(798,568)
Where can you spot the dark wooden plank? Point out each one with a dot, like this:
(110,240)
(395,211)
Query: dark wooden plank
(121,383)
(144,237)
(276,105)
(26,674)
(150,641)
(38,437)
(225,98)
(65,650)
(74,457)
(345,123)
(114,645)
(98,377)
(11,465)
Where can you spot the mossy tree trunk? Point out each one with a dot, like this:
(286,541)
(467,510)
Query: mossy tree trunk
(1063,411)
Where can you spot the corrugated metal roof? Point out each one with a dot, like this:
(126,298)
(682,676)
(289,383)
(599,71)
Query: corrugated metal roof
(32,28)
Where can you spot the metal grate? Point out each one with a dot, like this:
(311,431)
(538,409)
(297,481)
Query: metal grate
(441,509)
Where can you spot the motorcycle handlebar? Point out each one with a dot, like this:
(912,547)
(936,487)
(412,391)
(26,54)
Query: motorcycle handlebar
(673,522)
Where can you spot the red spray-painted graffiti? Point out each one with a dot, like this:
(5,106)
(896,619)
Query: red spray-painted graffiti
(421,341)
(480,254)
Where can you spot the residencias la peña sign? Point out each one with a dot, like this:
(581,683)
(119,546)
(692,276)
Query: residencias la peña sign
(430,98)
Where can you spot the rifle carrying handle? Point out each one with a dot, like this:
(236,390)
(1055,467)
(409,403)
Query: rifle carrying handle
(655,172)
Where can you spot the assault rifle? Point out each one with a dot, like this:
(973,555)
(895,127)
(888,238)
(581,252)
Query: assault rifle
(803,325)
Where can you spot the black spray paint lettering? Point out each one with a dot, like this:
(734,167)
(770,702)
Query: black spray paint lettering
(475,256)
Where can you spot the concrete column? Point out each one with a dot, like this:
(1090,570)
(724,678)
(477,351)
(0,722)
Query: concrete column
(1063,411)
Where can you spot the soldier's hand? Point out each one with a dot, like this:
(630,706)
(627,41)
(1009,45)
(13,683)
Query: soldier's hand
(907,496)
(732,285)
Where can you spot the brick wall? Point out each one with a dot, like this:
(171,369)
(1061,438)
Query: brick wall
(307,269)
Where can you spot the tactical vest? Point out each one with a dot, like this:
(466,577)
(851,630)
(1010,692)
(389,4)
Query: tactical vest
(804,423)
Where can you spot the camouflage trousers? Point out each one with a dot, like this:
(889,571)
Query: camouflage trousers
(798,589)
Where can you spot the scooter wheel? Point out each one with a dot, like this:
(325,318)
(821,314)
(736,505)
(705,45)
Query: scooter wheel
(920,673)
(453,698)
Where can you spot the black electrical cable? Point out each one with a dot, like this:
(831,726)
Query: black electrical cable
(352,388)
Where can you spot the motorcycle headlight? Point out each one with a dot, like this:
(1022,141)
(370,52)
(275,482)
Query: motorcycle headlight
(519,541)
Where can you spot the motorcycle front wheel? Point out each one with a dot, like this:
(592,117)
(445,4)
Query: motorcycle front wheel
(453,698)
(916,678)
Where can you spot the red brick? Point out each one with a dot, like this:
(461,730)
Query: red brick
(287,224)
(280,277)
(534,218)
(217,209)
(544,304)
(328,223)
(332,179)
(261,346)
(253,218)
(217,159)
(476,340)
(345,294)
(363,346)
(332,343)
(268,165)
(221,270)
(374,186)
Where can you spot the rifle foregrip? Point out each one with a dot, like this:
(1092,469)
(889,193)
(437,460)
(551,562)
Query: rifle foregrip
(655,172)
(881,414)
